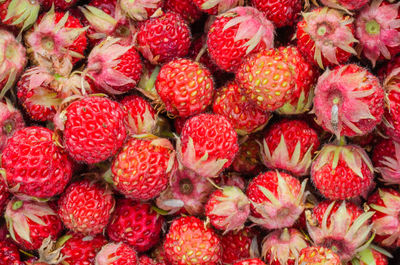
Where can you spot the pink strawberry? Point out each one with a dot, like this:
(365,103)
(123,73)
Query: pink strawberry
(34,165)
(237,33)
(116,254)
(135,224)
(10,121)
(281,13)
(185,8)
(143,168)
(277,199)
(161,39)
(325,37)
(29,223)
(86,206)
(207,144)
(142,9)
(290,145)
(185,87)
(214,7)
(386,160)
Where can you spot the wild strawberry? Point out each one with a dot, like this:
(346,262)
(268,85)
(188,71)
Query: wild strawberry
(244,116)
(185,87)
(306,76)
(318,255)
(214,7)
(135,224)
(368,256)
(161,39)
(231,179)
(56,38)
(185,8)
(277,199)
(93,129)
(325,37)
(12,61)
(86,206)
(254,261)
(187,192)
(140,10)
(247,160)
(29,223)
(9,253)
(4,195)
(207,144)
(267,80)
(228,208)
(142,169)
(342,172)
(340,226)
(189,240)
(237,245)
(282,247)
(386,160)
(58,4)
(144,260)
(11,121)
(348,101)
(281,13)
(386,204)
(377,31)
(141,117)
(114,66)
(116,254)
(236,34)
(21,14)
(345,5)
(290,145)
(34,165)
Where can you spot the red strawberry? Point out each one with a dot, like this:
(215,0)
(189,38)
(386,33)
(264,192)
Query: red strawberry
(190,240)
(141,117)
(214,7)
(144,260)
(325,37)
(142,9)
(277,199)
(207,144)
(386,204)
(29,223)
(244,116)
(228,208)
(342,172)
(143,167)
(185,8)
(370,256)
(254,261)
(161,39)
(86,206)
(94,129)
(386,160)
(117,254)
(290,145)
(58,4)
(135,224)
(22,16)
(34,164)
(4,195)
(79,249)
(236,245)
(267,79)
(114,66)
(281,13)
(185,87)
(236,34)
(9,254)
(11,121)
(247,160)
(318,255)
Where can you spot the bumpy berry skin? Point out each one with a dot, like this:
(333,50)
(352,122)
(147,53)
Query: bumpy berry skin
(386,160)
(94,129)
(86,206)
(236,245)
(244,116)
(141,117)
(136,224)
(9,254)
(318,255)
(143,167)
(391,116)
(267,79)
(219,6)
(280,12)
(189,240)
(144,260)
(117,254)
(294,133)
(11,120)
(185,87)
(79,249)
(164,38)
(211,135)
(34,164)
(185,8)
(254,261)
(318,211)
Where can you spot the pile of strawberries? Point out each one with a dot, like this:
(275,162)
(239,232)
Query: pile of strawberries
(199,132)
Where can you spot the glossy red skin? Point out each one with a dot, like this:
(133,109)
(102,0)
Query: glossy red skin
(144,260)
(135,107)
(247,160)
(80,250)
(236,245)
(9,254)
(126,254)
(33,161)
(227,53)
(86,207)
(94,129)
(167,37)
(136,224)
(185,8)
(254,261)
(280,12)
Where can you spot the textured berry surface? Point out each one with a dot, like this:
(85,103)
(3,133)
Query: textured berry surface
(317,256)
(254,261)
(185,8)
(281,13)
(140,117)
(117,254)
(236,245)
(9,254)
